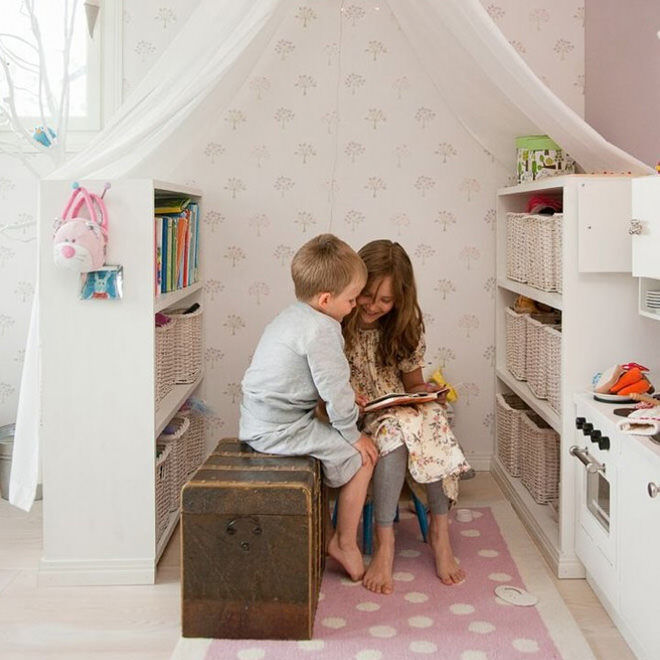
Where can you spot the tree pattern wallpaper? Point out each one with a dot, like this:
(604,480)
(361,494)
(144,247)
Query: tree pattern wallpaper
(336,129)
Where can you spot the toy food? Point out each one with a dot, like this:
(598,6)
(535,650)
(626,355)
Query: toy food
(627,379)
(607,379)
(623,380)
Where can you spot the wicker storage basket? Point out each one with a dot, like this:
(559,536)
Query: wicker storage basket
(509,409)
(552,337)
(164,360)
(187,346)
(544,261)
(540,458)
(515,247)
(163,487)
(193,440)
(557,247)
(536,352)
(175,438)
(516,342)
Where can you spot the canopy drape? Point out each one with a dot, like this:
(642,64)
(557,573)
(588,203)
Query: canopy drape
(479,75)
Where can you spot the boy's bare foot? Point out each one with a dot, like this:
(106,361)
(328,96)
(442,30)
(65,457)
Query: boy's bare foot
(349,556)
(446,566)
(378,577)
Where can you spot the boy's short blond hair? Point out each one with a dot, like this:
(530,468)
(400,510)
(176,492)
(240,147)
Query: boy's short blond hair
(325,264)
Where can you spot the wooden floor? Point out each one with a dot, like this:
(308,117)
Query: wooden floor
(64,623)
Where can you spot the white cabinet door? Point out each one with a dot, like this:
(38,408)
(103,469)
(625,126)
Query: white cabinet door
(639,528)
(603,216)
(646,211)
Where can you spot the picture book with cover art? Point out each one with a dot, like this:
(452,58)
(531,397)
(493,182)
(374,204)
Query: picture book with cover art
(402,399)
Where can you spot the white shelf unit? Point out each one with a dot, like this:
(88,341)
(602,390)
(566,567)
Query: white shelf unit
(600,327)
(100,420)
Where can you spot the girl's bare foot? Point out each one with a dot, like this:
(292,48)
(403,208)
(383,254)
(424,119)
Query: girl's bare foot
(349,556)
(446,566)
(378,577)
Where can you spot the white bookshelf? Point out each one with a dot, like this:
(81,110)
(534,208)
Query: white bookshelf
(100,419)
(600,327)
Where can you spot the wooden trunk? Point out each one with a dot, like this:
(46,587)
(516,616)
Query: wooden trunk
(252,545)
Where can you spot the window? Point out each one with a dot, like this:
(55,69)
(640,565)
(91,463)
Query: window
(94,63)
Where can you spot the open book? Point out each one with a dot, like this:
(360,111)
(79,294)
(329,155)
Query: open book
(403,399)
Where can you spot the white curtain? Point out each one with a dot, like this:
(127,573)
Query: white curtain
(491,90)
(488,86)
(481,77)
(196,76)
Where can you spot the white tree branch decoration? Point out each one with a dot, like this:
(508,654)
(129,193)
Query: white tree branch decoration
(19,56)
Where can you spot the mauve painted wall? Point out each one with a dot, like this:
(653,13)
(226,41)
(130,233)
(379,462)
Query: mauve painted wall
(622,69)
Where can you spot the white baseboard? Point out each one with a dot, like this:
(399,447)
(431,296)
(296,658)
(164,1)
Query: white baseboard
(53,572)
(480,461)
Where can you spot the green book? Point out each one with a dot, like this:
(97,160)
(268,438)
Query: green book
(171,204)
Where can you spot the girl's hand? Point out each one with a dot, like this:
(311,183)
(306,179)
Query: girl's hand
(431,387)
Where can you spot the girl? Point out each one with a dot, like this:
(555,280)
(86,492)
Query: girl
(385,347)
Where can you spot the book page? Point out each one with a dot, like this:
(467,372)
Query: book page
(402,399)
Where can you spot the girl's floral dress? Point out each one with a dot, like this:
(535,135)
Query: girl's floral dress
(433,452)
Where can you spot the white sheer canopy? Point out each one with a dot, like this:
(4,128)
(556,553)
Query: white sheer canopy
(480,76)
(490,88)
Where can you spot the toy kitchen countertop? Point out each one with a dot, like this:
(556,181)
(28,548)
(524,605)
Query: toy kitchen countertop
(604,411)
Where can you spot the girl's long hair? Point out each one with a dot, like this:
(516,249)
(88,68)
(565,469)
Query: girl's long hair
(402,326)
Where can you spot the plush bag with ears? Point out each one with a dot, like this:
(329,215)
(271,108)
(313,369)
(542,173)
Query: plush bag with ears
(79,243)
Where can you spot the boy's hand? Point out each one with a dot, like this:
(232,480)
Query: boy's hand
(321,412)
(361,401)
(368,450)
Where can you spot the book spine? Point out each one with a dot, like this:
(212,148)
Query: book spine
(186,249)
(197,223)
(170,246)
(163,265)
(158,260)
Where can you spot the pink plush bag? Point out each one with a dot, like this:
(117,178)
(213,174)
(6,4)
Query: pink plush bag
(79,243)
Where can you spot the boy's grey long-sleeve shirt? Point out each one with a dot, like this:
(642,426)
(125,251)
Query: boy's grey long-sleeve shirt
(299,360)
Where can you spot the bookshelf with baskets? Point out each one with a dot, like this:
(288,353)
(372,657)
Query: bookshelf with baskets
(111,478)
(577,263)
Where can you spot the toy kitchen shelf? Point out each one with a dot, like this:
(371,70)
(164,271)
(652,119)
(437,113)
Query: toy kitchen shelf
(600,326)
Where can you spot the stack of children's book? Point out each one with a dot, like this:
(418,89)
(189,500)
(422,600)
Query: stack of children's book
(176,241)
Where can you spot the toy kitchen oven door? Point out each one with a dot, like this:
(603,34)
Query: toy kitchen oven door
(595,449)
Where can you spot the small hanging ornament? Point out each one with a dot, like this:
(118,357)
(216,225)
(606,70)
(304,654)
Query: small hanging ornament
(44,135)
(92,8)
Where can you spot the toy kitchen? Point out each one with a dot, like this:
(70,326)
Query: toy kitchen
(617,458)
(617,517)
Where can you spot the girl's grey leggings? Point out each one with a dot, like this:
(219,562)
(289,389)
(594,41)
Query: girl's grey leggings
(388,479)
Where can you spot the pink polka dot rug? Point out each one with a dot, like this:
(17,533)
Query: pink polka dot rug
(424,618)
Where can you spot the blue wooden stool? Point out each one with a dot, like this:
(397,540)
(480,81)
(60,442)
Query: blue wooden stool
(368,521)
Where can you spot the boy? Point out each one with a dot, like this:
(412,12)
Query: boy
(299,363)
